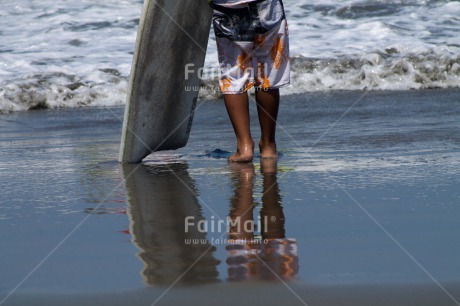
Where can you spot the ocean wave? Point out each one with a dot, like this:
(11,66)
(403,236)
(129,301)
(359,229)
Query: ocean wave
(377,71)
(79,54)
(387,70)
(104,87)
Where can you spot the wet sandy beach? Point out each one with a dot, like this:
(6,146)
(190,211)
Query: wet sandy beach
(361,209)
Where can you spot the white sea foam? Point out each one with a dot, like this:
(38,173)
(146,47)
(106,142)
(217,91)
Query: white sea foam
(67,53)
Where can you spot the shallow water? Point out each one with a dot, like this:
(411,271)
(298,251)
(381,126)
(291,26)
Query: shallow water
(365,195)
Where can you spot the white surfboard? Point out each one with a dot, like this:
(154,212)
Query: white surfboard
(162,94)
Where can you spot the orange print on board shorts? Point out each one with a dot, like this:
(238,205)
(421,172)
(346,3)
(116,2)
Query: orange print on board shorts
(253,45)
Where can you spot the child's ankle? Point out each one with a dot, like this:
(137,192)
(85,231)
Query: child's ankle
(245,143)
(267,143)
(268,149)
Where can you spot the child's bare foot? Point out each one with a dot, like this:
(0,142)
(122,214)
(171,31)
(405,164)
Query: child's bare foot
(268,150)
(244,153)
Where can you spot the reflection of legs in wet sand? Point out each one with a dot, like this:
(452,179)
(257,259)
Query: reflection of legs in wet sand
(242,252)
(273,256)
(160,198)
(271,214)
(279,253)
(242,203)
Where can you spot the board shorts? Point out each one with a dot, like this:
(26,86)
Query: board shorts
(253,46)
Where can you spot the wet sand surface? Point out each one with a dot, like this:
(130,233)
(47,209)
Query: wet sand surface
(361,208)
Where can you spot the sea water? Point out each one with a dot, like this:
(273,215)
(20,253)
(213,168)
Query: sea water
(74,53)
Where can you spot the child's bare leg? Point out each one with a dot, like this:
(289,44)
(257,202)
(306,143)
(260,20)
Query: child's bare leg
(238,110)
(267,109)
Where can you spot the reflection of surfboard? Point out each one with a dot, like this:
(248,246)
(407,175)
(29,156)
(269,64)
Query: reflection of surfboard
(171,41)
(160,199)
